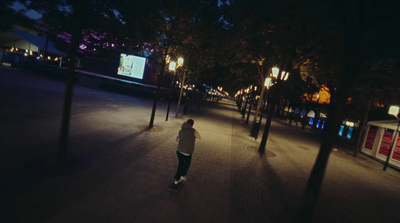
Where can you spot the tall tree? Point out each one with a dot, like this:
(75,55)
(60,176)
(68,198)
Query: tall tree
(270,31)
(71,17)
(343,38)
(356,43)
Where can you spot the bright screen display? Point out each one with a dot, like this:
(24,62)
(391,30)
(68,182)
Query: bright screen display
(131,66)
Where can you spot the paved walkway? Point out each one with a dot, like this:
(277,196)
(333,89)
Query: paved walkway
(120,173)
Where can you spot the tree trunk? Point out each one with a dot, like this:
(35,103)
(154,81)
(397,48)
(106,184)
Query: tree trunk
(46,49)
(249,112)
(157,94)
(363,125)
(329,136)
(259,121)
(313,187)
(69,88)
(240,102)
(259,104)
(245,105)
(278,107)
(263,144)
(283,108)
(205,99)
(270,110)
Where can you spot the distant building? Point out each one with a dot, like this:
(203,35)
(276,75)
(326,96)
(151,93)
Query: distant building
(322,97)
(20,42)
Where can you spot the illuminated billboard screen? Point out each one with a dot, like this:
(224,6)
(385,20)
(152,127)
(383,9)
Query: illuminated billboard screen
(131,66)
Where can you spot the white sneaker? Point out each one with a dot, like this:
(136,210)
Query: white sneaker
(183,178)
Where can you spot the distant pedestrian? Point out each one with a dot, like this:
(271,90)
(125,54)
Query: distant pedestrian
(186,142)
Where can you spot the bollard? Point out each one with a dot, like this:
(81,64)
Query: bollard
(255,129)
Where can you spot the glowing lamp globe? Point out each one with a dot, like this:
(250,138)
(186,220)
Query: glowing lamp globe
(172,66)
(275,72)
(180,61)
(393,110)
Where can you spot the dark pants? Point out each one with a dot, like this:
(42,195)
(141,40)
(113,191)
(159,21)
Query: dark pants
(183,166)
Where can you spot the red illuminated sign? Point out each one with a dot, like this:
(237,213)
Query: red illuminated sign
(386,142)
(370,139)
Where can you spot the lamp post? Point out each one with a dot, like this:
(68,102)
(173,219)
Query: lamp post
(255,129)
(393,110)
(180,94)
(245,103)
(253,90)
(172,67)
(276,77)
(240,99)
(267,84)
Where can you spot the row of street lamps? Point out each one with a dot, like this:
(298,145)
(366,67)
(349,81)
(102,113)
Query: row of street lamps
(172,67)
(270,80)
(274,77)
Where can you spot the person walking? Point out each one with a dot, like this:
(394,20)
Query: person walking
(186,142)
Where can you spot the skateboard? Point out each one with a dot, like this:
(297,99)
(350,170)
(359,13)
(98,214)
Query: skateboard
(176,188)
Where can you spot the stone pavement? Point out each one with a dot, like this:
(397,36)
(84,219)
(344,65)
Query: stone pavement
(118,172)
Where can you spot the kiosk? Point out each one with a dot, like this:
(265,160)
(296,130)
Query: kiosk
(378,140)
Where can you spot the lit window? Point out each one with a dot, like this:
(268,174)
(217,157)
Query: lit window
(311,122)
(349,133)
(341,130)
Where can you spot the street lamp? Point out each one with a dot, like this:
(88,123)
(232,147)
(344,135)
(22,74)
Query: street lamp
(172,67)
(393,110)
(255,129)
(253,90)
(268,82)
(180,61)
(273,78)
(247,91)
(275,72)
(276,77)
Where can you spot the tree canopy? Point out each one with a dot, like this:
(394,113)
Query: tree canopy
(10,17)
